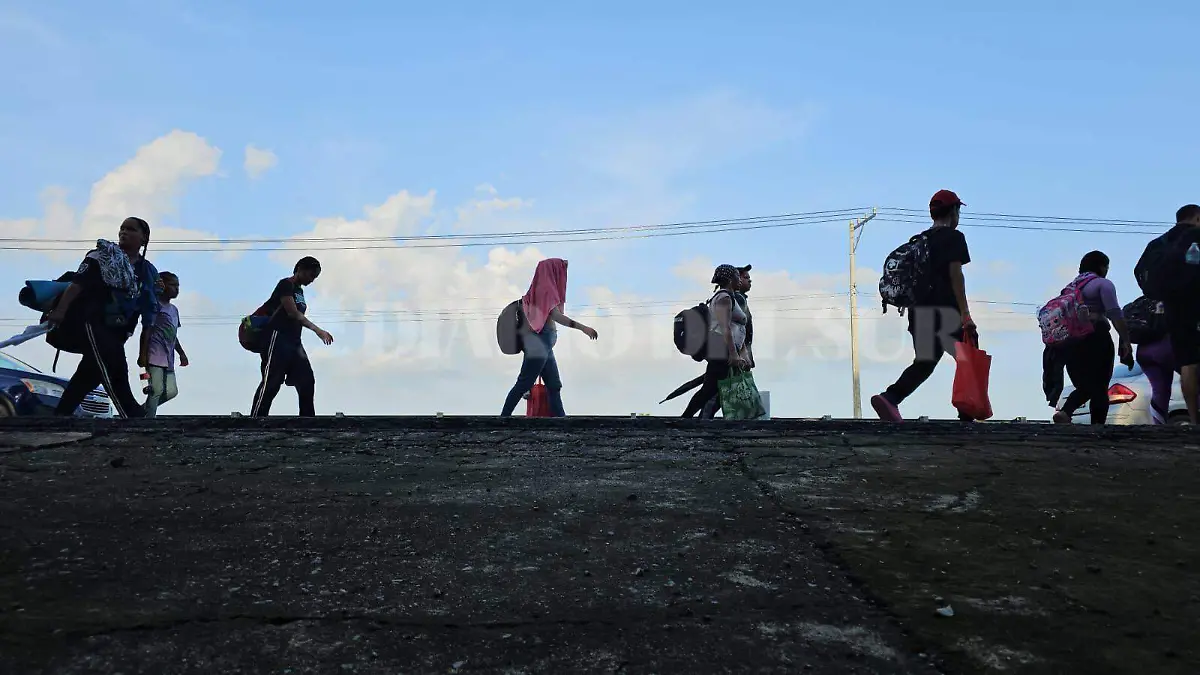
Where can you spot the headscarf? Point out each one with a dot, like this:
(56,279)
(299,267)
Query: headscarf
(547,291)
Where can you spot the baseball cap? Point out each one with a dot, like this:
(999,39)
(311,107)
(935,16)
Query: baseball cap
(945,197)
(744,268)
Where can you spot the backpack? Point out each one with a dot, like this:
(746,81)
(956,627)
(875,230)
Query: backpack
(1146,320)
(693,330)
(508,328)
(1162,271)
(251,327)
(119,311)
(906,280)
(1150,268)
(1066,318)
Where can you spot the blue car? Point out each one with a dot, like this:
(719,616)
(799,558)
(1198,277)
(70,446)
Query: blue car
(26,391)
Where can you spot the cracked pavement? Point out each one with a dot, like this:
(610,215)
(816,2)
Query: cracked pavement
(427,545)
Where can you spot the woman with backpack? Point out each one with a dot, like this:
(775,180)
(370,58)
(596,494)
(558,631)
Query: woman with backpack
(1089,359)
(97,314)
(727,322)
(542,308)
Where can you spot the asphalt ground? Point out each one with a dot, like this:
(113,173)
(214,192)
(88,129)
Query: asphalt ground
(649,545)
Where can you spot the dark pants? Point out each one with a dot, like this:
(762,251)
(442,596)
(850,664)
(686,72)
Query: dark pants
(716,371)
(283,361)
(103,363)
(537,361)
(1090,367)
(935,331)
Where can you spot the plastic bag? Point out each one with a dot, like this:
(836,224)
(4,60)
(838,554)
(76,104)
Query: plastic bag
(539,401)
(740,399)
(971,374)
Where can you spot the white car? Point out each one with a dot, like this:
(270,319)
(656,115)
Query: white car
(1129,399)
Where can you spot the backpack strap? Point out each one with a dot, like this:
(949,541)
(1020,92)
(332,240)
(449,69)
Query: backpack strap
(718,293)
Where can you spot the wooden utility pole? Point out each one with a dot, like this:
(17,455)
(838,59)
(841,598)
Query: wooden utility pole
(856,227)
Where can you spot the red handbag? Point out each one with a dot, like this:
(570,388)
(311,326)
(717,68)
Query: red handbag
(971,375)
(539,401)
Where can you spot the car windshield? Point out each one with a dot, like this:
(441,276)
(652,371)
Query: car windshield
(11,363)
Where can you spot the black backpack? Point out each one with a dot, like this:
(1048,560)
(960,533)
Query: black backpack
(692,330)
(1162,271)
(905,280)
(1145,319)
(509,328)
(1150,268)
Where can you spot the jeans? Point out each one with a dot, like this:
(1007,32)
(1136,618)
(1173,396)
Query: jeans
(162,388)
(537,361)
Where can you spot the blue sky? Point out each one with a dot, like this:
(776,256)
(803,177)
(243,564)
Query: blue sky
(623,114)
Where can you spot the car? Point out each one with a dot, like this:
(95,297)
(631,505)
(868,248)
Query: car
(1129,400)
(26,391)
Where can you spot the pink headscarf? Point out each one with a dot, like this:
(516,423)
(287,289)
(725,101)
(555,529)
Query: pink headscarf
(547,291)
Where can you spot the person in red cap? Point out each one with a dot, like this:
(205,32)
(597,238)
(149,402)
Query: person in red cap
(940,318)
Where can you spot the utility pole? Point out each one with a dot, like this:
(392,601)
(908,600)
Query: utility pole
(856,227)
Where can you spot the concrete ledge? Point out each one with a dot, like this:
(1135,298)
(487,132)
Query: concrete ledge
(471,544)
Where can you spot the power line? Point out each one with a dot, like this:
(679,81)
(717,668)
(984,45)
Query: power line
(474,240)
(590,230)
(582,235)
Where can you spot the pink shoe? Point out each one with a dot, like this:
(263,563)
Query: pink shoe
(884,408)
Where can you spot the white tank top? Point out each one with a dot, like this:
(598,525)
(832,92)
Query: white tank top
(737,323)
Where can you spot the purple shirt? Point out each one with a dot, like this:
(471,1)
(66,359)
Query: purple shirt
(1100,296)
(163,337)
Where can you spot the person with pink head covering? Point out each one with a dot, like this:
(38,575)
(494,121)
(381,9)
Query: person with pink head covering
(542,308)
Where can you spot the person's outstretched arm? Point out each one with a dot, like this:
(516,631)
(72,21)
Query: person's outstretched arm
(562,319)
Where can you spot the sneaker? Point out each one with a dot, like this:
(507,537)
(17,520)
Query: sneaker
(887,411)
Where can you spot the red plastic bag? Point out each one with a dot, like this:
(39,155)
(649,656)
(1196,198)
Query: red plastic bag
(973,368)
(539,401)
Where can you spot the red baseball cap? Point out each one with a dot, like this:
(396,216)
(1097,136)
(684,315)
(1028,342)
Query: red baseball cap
(945,197)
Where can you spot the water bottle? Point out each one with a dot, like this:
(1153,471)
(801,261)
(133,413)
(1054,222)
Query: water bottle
(1193,254)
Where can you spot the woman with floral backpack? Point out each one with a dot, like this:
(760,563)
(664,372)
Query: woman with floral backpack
(1087,311)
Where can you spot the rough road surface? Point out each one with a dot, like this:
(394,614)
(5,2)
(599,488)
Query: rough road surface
(464,545)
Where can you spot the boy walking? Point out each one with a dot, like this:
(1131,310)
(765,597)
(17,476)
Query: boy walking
(283,357)
(164,344)
(938,318)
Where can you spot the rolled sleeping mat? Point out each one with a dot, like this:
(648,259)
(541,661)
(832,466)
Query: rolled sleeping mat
(39,295)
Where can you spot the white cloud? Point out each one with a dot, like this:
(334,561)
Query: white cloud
(148,185)
(258,161)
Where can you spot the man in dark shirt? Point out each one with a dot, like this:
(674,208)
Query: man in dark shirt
(283,355)
(1182,313)
(939,319)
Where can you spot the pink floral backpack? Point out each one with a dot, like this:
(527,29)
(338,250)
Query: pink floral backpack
(1066,318)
